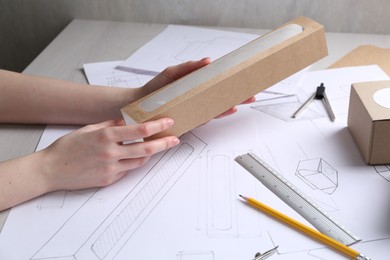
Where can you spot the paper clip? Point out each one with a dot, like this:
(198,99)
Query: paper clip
(320,95)
(266,254)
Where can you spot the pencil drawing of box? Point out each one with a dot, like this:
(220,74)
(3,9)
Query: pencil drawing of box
(318,174)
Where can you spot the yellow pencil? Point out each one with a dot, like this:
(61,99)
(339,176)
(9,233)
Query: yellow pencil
(305,229)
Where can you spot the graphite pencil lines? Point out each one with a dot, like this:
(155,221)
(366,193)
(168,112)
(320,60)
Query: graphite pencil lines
(136,206)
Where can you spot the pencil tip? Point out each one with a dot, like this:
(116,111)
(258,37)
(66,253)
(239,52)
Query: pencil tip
(243,197)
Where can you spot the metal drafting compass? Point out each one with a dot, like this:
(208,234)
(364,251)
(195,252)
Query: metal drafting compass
(265,255)
(320,95)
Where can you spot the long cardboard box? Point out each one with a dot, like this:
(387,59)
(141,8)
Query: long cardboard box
(230,80)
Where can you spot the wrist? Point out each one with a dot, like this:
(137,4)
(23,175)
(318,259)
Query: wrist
(112,101)
(44,172)
(22,179)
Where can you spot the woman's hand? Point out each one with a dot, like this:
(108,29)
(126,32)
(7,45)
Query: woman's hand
(96,155)
(173,73)
(93,156)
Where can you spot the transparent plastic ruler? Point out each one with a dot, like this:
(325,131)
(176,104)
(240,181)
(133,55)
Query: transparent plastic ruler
(295,199)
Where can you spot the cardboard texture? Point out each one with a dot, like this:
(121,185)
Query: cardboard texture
(365,55)
(369,121)
(371,135)
(230,80)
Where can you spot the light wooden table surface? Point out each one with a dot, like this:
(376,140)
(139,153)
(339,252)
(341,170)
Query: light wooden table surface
(85,41)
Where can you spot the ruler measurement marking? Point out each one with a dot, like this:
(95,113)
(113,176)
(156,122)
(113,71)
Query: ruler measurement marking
(295,199)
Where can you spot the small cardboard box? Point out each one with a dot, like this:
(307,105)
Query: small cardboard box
(230,80)
(369,120)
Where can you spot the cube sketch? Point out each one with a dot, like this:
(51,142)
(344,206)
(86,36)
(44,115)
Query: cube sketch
(318,174)
(383,171)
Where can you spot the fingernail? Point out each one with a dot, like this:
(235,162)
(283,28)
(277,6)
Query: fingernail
(175,141)
(170,122)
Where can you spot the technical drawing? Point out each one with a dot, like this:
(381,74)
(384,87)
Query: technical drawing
(177,44)
(129,80)
(121,223)
(220,190)
(221,214)
(52,200)
(319,194)
(86,234)
(57,199)
(318,174)
(284,107)
(196,255)
(383,171)
(114,81)
(124,221)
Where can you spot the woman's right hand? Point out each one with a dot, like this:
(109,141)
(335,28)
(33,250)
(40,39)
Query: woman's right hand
(96,155)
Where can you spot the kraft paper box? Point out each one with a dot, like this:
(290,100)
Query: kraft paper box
(369,120)
(205,93)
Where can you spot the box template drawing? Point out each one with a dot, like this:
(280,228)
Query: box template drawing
(206,93)
(369,120)
(318,174)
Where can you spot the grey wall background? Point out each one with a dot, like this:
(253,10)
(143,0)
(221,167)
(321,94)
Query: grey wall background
(27,26)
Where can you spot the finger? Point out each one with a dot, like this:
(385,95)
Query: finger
(109,123)
(234,109)
(173,73)
(227,113)
(178,71)
(126,165)
(149,148)
(249,100)
(138,131)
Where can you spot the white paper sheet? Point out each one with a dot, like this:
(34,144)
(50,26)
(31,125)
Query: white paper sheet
(106,74)
(356,194)
(177,44)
